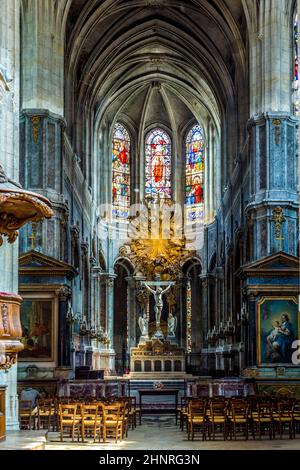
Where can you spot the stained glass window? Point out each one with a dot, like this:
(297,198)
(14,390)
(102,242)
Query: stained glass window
(158,165)
(194,176)
(296,66)
(120,172)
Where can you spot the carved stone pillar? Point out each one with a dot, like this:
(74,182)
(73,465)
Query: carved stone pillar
(64,342)
(131,312)
(110,308)
(205,305)
(95,295)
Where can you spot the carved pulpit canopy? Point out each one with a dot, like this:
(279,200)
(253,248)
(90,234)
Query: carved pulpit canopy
(17,207)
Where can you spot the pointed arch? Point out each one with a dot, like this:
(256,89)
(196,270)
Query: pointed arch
(121,157)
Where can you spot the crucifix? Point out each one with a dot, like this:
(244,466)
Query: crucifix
(278,219)
(156,288)
(33,236)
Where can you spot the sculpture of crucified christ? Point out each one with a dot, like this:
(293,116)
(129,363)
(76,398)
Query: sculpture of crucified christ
(158,292)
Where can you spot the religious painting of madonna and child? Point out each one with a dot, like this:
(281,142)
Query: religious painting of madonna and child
(278,327)
(37,330)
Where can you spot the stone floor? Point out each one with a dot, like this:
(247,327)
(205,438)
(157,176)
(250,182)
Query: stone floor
(160,433)
(24,440)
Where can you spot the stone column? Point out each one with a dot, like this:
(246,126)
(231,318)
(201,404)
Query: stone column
(95,294)
(9,159)
(212,177)
(131,312)
(273,129)
(205,306)
(42,115)
(64,342)
(110,317)
(207,157)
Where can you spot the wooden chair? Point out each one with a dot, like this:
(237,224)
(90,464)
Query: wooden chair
(112,422)
(46,414)
(218,418)
(296,417)
(238,417)
(134,412)
(183,412)
(282,415)
(196,419)
(91,421)
(261,419)
(69,419)
(27,415)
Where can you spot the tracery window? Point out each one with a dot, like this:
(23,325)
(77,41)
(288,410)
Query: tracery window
(194,175)
(120,172)
(158,165)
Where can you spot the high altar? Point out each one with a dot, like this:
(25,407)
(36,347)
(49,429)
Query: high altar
(160,358)
(157,260)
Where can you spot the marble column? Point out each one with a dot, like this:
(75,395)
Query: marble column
(64,343)
(131,312)
(110,317)
(95,295)
(272,129)
(9,159)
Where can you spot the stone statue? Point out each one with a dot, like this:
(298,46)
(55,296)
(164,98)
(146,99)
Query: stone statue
(172,325)
(143,324)
(158,293)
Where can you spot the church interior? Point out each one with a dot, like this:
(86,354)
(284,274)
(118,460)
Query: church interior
(149,224)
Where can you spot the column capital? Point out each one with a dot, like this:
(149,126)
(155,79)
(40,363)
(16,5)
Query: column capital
(64,293)
(130,281)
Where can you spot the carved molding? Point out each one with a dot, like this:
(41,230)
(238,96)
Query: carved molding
(75,233)
(84,248)
(64,293)
(250,373)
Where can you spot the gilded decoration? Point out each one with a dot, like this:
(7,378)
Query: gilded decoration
(157,249)
(278,219)
(35,120)
(156,347)
(7,361)
(250,373)
(277,124)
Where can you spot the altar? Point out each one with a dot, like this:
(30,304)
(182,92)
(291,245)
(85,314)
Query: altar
(158,358)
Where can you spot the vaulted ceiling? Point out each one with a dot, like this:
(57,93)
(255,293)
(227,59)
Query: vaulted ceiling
(143,58)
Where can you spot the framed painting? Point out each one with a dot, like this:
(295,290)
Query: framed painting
(37,318)
(277,328)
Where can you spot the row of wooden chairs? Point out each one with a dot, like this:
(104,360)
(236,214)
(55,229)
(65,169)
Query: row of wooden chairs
(231,416)
(46,414)
(97,420)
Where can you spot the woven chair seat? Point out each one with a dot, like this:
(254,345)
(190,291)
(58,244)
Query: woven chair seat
(197,420)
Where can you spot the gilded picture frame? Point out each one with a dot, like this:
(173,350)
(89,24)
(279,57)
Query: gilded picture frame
(278,326)
(37,321)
